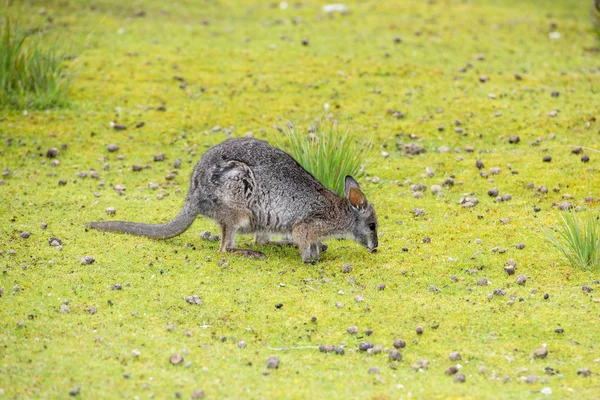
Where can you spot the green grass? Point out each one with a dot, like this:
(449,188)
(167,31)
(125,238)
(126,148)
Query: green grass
(578,239)
(328,153)
(32,70)
(244,66)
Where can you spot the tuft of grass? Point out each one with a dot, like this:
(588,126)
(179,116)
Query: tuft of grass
(595,12)
(32,72)
(328,154)
(579,240)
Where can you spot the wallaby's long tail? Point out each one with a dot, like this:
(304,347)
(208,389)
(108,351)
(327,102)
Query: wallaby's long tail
(170,229)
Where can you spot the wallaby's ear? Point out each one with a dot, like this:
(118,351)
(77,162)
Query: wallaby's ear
(357,198)
(349,182)
(353,193)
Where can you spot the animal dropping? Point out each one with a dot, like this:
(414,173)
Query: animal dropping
(248,186)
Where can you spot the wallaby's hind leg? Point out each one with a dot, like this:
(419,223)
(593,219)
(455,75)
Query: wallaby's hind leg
(228,244)
(264,239)
(315,250)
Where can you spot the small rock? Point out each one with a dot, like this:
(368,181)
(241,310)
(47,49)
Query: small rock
(547,159)
(75,392)
(399,344)
(25,235)
(531,379)
(584,372)
(587,289)
(417,212)
(112,147)
(273,362)
(159,157)
(460,378)
(195,300)
(353,330)
(198,394)
(542,352)
(585,158)
(87,260)
(479,164)
(64,309)
(52,153)
(493,192)
(111,211)
(176,359)
(520,246)
(117,286)
(347,268)
(521,279)
(565,206)
(455,356)
(117,127)
(482,282)
(437,190)
(366,345)
(419,330)
(395,355)
(242,344)
(559,330)
(92,310)
(514,139)
(451,370)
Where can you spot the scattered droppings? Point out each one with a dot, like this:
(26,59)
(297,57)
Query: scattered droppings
(585,158)
(25,235)
(514,139)
(493,192)
(347,268)
(273,362)
(368,332)
(419,330)
(395,355)
(483,282)
(547,159)
(559,330)
(455,356)
(399,344)
(278,305)
(159,157)
(380,286)
(521,279)
(520,246)
(87,260)
(353,330)
(460,378)
(587,289)
(194,300)
(176,359)
(117,286)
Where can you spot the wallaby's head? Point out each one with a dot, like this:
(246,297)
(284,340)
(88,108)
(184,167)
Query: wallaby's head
(364,221)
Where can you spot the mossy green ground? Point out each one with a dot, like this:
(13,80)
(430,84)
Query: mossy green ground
(246,67)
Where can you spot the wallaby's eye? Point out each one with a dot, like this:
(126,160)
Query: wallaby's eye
(372,226)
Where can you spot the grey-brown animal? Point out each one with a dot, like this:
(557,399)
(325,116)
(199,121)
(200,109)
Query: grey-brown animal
(248,186)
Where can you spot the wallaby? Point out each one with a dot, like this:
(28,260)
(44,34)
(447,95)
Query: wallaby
(248,186)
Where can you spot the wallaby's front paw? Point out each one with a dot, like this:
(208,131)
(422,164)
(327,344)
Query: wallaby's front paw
(311,262)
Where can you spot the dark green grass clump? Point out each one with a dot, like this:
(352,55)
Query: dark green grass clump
(32,70)
(329,154)
(578,239)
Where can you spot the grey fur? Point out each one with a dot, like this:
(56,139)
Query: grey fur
(247,186)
